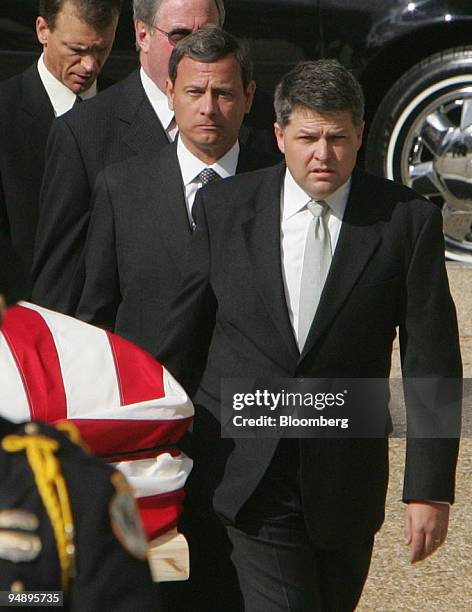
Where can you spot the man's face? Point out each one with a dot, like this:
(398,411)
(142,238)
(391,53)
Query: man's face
(320,150)
(174,16)
(209,102)
(74,51)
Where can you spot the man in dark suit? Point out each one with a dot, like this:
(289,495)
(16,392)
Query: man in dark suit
(77,36)
(141,223)
(301,514)
(130,118)
(141,219)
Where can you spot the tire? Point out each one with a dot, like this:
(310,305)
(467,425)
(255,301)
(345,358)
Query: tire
(421,136)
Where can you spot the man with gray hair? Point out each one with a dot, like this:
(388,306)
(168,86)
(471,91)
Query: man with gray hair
(130,118)
(310,266)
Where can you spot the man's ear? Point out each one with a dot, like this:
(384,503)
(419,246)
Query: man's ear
(143,35)
(250,91)
(279,135)
(170,93)
(42,30)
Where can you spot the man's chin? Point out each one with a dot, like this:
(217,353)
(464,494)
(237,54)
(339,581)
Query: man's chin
(78,86)
(207,141)
(207,135)
(322,189)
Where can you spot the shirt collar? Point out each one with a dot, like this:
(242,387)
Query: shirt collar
(295,199)
(191,166)
(158,100)
(61,97)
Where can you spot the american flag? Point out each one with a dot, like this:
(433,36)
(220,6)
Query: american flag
(128,408)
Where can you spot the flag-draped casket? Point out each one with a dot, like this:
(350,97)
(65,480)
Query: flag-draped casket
(129,410)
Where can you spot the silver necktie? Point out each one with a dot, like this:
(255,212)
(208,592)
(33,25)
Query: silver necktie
(316,263)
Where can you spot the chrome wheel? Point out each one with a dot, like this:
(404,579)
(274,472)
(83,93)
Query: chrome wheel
(422,136)
(436,157)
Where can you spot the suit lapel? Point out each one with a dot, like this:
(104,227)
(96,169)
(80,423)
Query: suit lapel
(144,133)
(262,236)
(358,240)
(37,108)
(165,192)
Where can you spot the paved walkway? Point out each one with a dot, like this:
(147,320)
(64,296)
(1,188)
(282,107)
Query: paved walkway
(444,581)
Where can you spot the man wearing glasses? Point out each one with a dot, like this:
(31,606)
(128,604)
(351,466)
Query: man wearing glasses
(130,118)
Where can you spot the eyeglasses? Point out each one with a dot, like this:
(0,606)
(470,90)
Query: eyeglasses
(175,36)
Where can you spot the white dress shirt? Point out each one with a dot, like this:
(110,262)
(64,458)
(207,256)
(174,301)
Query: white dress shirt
(295,219)
(61,97)
(159,103)
(191,166)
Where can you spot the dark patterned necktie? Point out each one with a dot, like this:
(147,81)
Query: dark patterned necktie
(207,176)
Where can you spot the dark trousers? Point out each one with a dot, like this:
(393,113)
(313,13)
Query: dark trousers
(267,562)
(280,570)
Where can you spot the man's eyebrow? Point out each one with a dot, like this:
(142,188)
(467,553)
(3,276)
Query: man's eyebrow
(177,29)
(223,89)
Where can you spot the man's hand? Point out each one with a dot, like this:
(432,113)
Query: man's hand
(425,528)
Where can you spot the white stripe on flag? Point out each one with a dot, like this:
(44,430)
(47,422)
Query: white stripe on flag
(161,474)
(174,405)
(88,374)
(14,403)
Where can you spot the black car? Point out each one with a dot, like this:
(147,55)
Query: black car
(414,60)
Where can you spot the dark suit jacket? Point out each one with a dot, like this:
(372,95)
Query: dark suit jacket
(112,127)
(136,245)
(26,115)
(388,270)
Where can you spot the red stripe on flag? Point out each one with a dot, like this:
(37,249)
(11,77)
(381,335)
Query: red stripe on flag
(173,451)
(109,437)
(140,376)
(160,513)
(34,350)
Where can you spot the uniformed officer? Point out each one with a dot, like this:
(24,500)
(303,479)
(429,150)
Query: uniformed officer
(68,522)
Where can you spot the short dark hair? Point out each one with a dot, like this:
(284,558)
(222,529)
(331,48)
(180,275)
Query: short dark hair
(210,44)
(323,86)
(97,13)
